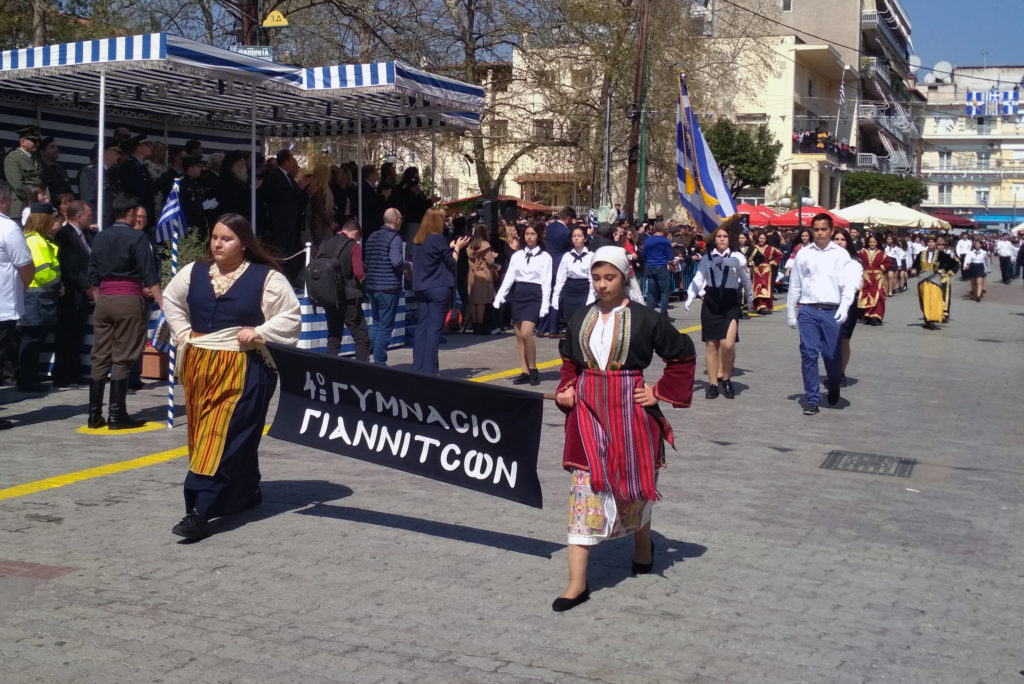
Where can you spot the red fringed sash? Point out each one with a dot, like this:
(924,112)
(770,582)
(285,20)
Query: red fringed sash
(621,440)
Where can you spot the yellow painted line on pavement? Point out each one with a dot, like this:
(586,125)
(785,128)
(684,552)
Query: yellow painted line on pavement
(171,454)
(148,427)
(89,473)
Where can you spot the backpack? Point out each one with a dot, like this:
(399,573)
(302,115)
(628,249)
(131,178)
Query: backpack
(323,276)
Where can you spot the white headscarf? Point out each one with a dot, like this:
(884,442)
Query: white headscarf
(617,257)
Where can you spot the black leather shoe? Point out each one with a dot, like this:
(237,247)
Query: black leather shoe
(560,605)
(811,410)
(833,396)
(6,424)
(534,377)
(842,380)
(523,379)
(727,390)
(711,392)
(644,568)
(192,527)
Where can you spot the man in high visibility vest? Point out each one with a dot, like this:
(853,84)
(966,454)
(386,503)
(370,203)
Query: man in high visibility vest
(42,295)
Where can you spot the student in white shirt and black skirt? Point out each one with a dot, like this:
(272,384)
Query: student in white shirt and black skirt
(573,284)
(976,266)
(718,278)
(527,286)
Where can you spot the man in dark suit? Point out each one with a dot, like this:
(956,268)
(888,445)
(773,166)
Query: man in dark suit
(135,178)
(286,204)
(373,208)
(558,238)
(73,251)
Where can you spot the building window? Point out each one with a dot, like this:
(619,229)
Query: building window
(580,78)
(499,129)
(810,88)
(981,197)
(544,129)
(450,188)
(945,159)
(787,5)
(945,193)
(984,160)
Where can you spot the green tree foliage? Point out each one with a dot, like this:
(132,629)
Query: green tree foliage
(864,185)
(746,160)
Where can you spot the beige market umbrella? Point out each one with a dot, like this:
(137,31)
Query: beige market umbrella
(878,213)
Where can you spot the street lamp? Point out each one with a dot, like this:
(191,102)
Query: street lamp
(802,194)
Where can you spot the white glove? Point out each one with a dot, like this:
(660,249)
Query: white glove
(211,203)
(791,322)
(686,304)
(496,304)
(841,315)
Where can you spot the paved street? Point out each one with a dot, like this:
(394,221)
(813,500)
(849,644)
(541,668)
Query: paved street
(768,568)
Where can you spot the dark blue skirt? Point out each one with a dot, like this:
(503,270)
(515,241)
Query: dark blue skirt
(574,297)
(975,270)
(524,302)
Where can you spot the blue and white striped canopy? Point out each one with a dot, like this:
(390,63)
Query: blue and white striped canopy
(163,77)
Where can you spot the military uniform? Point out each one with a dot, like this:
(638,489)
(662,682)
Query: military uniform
(136,181)
(22,169)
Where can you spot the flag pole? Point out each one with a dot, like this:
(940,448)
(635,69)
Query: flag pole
(171,349)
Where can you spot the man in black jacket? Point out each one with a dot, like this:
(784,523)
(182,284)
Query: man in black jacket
(73,255)
(135,178)
(286,206)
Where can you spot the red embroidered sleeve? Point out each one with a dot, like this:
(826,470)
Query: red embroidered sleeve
(570,372)
(676,384)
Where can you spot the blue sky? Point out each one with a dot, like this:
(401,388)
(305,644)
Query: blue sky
(958,31)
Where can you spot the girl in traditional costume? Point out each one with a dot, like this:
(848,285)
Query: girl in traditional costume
(222,312)
(747,250)
(876,264)
(764,258)
(614,429)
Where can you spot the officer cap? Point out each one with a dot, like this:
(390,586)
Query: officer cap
(40,208)
(139,140)
(31,133)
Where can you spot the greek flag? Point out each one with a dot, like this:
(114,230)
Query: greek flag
(842,93)
(171,218)
(160,338)
(703,191)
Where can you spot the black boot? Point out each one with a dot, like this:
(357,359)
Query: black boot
(119,419)
(96,390)
(534,377)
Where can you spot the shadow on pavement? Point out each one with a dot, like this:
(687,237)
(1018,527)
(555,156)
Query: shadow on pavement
(46,414)
(474,535)
(610,563)
(282,496)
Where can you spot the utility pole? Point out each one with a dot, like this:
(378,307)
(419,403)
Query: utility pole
(606,194)
(636,114)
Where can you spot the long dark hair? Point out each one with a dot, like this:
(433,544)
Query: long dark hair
(734,244)
(254,249)
(481,236)
(849,241)
(539,228)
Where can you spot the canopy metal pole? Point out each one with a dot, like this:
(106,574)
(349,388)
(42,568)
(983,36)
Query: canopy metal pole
(359,167)
(252,164)
(433,161)
(167,142)
(101,149)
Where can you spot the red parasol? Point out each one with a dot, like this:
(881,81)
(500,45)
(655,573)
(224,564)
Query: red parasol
(954,220)
(759,215)
(791,220)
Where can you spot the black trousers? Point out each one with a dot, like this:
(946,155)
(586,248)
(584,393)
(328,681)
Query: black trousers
(1006,266)
(29,349)
(74,315)
(9,343)
(349,315)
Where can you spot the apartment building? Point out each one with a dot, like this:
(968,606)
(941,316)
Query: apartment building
(818,45)
(972,144)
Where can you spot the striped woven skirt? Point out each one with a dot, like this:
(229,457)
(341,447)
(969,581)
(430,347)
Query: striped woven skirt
(227,395)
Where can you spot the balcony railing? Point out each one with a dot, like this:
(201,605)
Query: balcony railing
(872,66)
(866,160)
(812,143)
(899,127)
(871,19)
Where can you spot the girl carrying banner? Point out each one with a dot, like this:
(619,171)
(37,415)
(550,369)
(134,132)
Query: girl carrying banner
(221,313)
(614,429)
